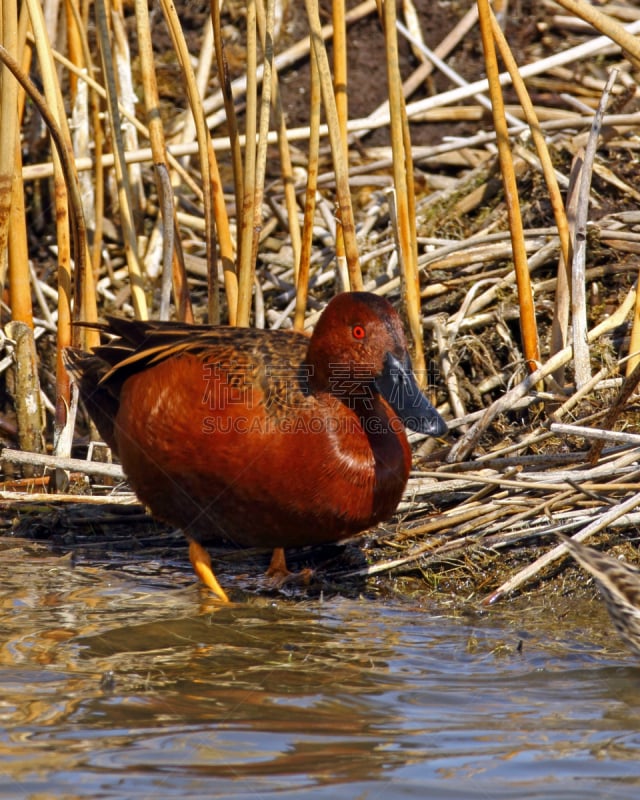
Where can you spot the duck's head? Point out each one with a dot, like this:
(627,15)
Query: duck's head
(358,347)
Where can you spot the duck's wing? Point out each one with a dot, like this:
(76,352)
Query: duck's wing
(138,345)
(272,360)
(134,346)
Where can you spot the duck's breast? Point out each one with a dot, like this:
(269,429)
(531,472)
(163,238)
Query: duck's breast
(231,453)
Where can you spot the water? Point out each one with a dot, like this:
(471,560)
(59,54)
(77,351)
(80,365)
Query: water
(127,682)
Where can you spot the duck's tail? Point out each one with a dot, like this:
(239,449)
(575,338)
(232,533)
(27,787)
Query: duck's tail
(100,399)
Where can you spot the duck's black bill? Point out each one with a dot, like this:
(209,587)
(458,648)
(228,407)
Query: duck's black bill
(398,385)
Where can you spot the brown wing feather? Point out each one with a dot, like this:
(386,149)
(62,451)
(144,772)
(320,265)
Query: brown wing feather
(272,359)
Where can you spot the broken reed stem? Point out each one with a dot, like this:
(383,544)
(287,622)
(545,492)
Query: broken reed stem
(463,447)
(414,30)
(605,24)
(581,355)
(626,390)
(340,166)
(26,389)
(608,517)
(170,237)
(98,468)
(562,298)
(600,435)
(528,325)
(634,342)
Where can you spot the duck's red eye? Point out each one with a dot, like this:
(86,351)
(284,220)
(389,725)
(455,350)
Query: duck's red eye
(358,332)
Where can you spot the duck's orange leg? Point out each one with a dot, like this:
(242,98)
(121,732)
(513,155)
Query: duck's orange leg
(280,573)
(201,563)
(278,567)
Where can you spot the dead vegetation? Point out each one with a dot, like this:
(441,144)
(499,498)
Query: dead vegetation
(542,401)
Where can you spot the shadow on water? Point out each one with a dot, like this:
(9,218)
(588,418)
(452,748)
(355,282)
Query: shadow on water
(119,683)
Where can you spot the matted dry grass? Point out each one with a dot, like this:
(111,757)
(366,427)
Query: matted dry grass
(528,455)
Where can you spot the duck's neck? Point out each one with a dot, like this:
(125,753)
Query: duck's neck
(391,452)
(349,383)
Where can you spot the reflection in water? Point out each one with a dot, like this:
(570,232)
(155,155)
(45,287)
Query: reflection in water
(116,686)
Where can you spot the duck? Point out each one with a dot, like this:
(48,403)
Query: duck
(260,438)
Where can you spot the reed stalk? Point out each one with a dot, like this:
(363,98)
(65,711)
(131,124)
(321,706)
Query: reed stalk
(9,122)
(24,383)
(80,70)
(126,96)
(74,44)
(174,271)
(345,210)
(313,161)
(63,164)
(581,353)
(204,64)
(229,265)
(86,127)
(528,325)
(215,216)
(560,320)
(229,106)
(18,251)
(284,150)
(263,131)
(404,191)
(245,214)
(54,103)
(125,199)
(606,25)
(537,136)
(341,94)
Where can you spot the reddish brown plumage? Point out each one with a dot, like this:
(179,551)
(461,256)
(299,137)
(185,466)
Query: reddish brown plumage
(260,438)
